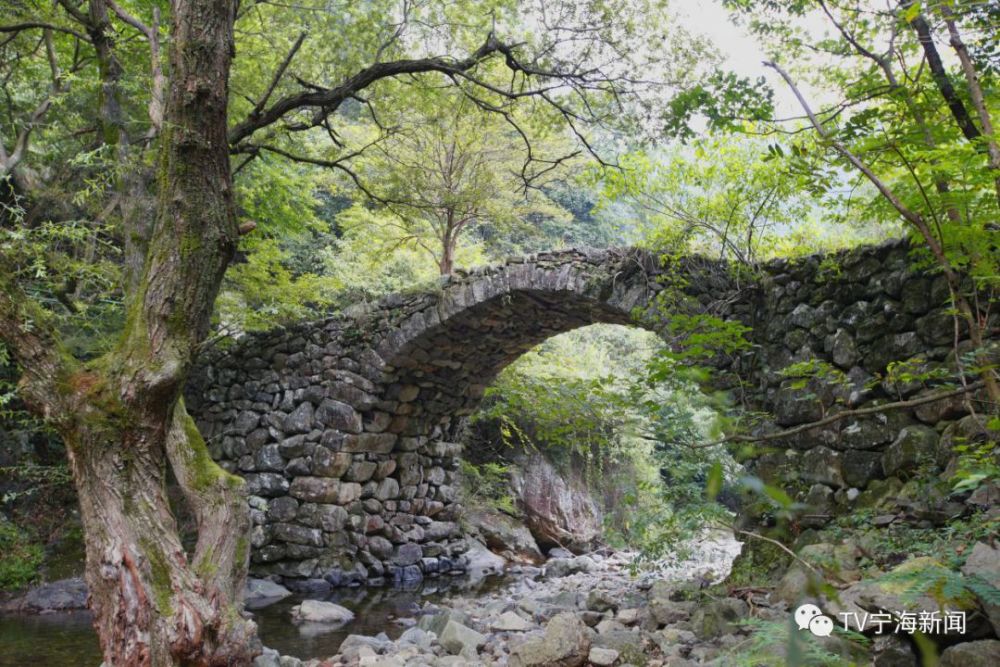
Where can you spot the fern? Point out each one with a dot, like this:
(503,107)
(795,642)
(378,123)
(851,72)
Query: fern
(780,642)
(942,584)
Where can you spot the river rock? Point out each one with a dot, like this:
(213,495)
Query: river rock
(317,611)
(260,593)
(566,643)
(62,595)
(602,657)
(893,651)
(982,653)
(481,562)
(563,567)
(984,562)
(503,534)
(510,622)
(457,638)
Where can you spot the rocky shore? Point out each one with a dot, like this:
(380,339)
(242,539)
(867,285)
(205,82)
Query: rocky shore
(574,610)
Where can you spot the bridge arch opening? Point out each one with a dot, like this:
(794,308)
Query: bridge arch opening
(569,429)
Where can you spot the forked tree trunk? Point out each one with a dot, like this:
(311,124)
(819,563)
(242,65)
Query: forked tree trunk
(122,416)
(153,604)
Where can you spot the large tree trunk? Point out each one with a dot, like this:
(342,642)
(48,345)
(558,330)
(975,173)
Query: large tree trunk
(153,604)
(122,416)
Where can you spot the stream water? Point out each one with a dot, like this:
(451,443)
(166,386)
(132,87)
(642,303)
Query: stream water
(68,639)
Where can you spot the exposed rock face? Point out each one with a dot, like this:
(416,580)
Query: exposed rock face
(345,429)
(558,507)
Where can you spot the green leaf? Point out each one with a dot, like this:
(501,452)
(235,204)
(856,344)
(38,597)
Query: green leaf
(715,478)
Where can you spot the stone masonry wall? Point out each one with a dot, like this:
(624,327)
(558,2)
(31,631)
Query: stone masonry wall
(861,312)
(345,429)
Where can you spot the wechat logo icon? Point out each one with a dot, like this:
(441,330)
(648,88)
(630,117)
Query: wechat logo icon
(809,617)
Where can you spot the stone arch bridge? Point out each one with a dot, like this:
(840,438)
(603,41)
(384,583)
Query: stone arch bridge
(344,428)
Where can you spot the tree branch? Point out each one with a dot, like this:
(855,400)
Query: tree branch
(941,78)
(152,34)
(975,94)
(259,107)
(325,101)
(13,158)
(846,414)
(28,25)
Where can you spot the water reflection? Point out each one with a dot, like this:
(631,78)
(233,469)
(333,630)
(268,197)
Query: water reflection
(376,610)
(60,640)
(68,639)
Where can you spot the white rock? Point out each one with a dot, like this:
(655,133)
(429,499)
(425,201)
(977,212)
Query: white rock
(510,622)
(602,657)
(316,611)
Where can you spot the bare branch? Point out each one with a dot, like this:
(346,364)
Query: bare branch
(29,25)
(975,94)
(12,158)
(280,72)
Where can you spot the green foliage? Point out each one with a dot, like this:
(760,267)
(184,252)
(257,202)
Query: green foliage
(771,642)
(723,99)
(803,371)
(978,464)
(571,395)
(732,197)
(34,479)
(487,485)
(699,338)
(454,170)
(20,557)
(925,576)
(264,291)
(603,397)
(882,104)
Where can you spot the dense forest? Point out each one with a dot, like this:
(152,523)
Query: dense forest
(317,297)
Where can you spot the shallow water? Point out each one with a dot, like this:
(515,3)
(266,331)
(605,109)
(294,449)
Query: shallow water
(68,639)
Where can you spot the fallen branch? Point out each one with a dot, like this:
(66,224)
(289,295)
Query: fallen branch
(860,412)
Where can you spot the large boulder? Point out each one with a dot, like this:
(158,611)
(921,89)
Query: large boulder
(566,643)
(563,567)
(719,617)
(316,611)
(458,638)
(481,562)
(503,534)
(984,563)
(63,595)
(260,593)
(983,653)
(891,594)
(558,508)
(913,446)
